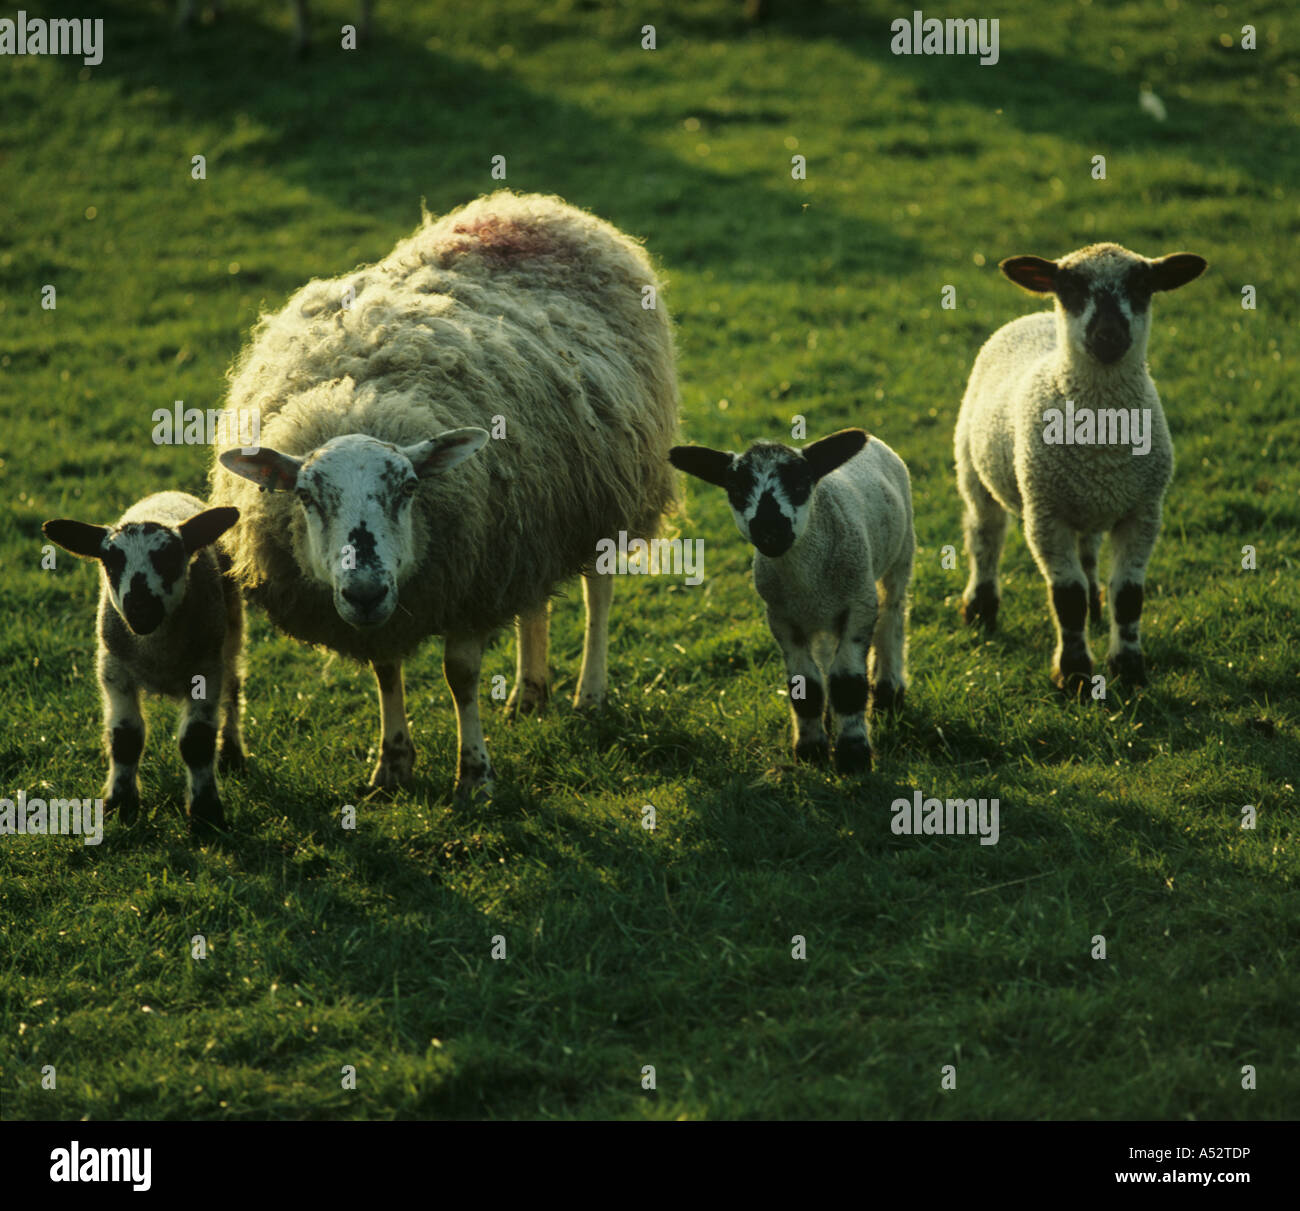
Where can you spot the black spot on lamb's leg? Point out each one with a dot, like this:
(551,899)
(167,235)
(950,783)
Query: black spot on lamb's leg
(198,745)
(1072,663)
(126,743)
(1126,661)
(807,700)
(849,701)
(982,607)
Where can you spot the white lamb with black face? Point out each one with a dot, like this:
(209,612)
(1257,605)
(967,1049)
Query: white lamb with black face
(832,530)
(169,622)
(1062,425)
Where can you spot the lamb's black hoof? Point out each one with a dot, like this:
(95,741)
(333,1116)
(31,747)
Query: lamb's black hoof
(232,758)
(982,608)
(853,756)
(207,818)
(812,752)
(886,698)
(1072,675)
(125,805)
(1128,667)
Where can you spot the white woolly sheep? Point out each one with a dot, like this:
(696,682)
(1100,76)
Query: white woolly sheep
(834,544)
(167,617)
(517,314)
(1062,424)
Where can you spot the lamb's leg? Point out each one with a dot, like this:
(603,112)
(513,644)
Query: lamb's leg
(1055,548)
(807,696)
(1132,542)
(396,749)
(532,675)
(123,738)
(462,658)
(232,742)
(598,593)
(198,745)
(985,526)
(848,685)
(1089,545)
(886,669)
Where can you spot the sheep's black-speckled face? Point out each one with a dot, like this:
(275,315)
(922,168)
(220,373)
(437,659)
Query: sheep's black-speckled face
(1106,299)
(768,488)
(145,564)
(355,494)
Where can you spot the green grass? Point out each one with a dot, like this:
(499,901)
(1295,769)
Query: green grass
(821,297)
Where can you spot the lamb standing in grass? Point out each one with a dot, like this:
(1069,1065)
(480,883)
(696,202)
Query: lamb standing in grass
(832,528)
(514,314)
(1061,423)
(167,617)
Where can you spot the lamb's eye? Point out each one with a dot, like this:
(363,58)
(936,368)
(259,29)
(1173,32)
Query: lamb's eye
(305,497)
(408,487)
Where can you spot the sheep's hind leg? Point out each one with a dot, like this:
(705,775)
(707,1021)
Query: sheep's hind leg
(461,661)
(198,745)
(985,526)
(396,749)
(598,593)
(232,743)
(1132,542)
(886,669)
(532,676)
(1055,548)
(124,740)
(807,696)
(1089,545)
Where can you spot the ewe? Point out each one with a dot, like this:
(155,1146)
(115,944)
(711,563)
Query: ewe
(1061,423)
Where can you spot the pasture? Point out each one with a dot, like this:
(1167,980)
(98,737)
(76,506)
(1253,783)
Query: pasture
(818,297)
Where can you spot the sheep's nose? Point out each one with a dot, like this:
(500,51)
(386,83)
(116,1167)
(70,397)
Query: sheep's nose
(365,597)
(143,612)
(771,538)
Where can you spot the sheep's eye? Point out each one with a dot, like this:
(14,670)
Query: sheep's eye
(408,487)
(305,497)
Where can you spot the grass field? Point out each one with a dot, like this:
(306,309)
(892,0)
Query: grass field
(816,297)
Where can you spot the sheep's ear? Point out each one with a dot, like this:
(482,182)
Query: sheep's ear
(1176,269)
(268,469)
(79,537)
(1032,272)
(445,451)
(834,451)
(711,466)
(206,527)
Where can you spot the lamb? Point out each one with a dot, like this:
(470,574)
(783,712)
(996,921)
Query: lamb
(169,622)
(1061,423)
(834,545)
(517,315)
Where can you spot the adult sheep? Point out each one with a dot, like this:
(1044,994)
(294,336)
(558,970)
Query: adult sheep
(517,314)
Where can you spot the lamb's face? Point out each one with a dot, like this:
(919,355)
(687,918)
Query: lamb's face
(356,495)
(1103,296)
(770,486)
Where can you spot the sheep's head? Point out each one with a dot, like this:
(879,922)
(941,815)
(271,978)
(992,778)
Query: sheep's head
(355,493)
(770,485)
(145,563)
(1103,295)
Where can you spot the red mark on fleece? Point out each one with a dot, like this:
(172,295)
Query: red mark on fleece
(504,240)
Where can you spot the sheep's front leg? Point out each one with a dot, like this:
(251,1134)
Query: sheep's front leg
(1055,548)
(1132,542)
(1089,545)
(123,738)
(532,673)
(807,696)
(462,658)
(598,593)
(198,745)
(396,749)
(985,527)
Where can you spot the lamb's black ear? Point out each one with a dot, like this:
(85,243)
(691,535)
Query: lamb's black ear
(834,451)
(709,465)
(267,468)
(1032,272)
(79,537)
(206,527)
(1176,269)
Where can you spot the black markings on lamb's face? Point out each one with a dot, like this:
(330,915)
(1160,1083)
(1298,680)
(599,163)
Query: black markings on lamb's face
(1105,293)
(769,487)
(145,564)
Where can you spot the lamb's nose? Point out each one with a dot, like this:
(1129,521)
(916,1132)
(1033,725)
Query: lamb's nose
(365,597)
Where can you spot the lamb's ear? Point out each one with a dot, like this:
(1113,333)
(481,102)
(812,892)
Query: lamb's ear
(79,537)
(268,469)
(445,451)
(1176,269)
(1032,272)
(206,527)
(709,465)
(834,451)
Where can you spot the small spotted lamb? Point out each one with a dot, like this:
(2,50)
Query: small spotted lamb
(169,622)
(1061,424)
(832,528)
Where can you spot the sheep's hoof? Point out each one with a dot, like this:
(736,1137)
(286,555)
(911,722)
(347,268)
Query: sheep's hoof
(982,607)
(125,804)
(474,789)
(207,817)
(886,697)
(1072,675)
(531,699)
(1128,667)
(232,756)
(853,756)
(812,752)
(588,700)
